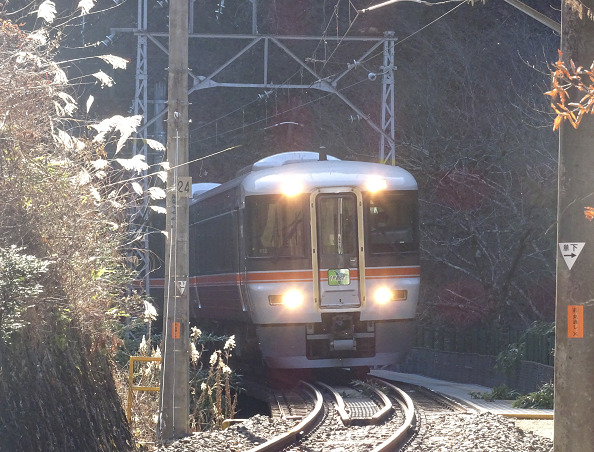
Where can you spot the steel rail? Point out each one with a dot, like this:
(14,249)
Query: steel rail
(293,435)
(340,406)
(399,436)
(379,416)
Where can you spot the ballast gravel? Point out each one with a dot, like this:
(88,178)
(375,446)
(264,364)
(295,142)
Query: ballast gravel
(485,432)
(238,437)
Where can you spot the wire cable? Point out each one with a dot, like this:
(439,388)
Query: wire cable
(283,85)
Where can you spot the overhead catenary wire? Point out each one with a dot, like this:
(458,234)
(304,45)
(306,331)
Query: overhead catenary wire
(422,2)
(141,177)
(300,70)
(282,85)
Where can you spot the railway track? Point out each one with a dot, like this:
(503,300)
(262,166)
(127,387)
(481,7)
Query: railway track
(339,417)
(431,408)
(362,417)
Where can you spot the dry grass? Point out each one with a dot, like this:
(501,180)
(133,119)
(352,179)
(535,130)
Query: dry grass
(213,393)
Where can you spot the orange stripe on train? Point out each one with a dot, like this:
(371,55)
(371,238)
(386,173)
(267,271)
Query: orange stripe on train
(393,272)
(293,276)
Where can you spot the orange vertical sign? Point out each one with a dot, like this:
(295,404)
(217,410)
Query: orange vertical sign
(575,321)
(175,330)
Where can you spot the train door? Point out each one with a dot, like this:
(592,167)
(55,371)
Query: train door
(337,251)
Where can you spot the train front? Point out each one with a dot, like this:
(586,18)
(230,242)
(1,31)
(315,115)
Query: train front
(331,252)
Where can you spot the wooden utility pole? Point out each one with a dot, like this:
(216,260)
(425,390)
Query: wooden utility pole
(175,391)
(574,341)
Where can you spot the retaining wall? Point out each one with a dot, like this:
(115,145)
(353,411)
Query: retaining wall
(475,369)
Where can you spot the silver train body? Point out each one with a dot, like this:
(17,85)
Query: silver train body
(315,263)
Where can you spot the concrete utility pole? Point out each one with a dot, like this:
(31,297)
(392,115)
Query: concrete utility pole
(175,391)
(574,342)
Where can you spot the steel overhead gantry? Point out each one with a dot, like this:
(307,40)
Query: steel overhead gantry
(263,43)
(139,211)
(328,84)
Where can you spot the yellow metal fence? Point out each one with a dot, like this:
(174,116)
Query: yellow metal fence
(132,387)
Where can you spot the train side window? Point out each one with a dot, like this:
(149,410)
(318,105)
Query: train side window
(275,226)
(215,245)
(392,222)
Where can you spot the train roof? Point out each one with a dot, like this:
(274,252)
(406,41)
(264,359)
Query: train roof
(285,158)
(270,174)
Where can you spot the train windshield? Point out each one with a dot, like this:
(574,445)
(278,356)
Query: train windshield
(337,230)
(275,226)
(392,222)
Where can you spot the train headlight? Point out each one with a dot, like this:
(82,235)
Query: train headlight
(376,184)
(292,299)
(384,295)
(292,188)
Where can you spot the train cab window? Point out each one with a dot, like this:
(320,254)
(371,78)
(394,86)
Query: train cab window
(275,226)
(392,222)
(337,224)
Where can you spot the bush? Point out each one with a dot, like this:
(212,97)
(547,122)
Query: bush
(18,288)
(501,392)
(213,386)
(543,398)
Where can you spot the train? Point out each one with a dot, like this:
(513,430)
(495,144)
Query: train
(309,260)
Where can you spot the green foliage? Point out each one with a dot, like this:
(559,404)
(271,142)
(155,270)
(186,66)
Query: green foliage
(19,286)
(543,398)
(542,328)
(501,392)
(63,202)
(508,360)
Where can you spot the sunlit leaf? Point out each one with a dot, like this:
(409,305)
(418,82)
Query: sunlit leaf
(159,209)
(135,163)
(154,144)
(157,193)
(116,62)
(124,125)
(86,6)
(137,188)
(47,11)
(39,36)
(100,164)
(69,142)
(105,79)
(149,311)
(162,175)
(589,213)
(60,77)
(90,101)
(83,177)
(95,194)
(69,103)
(28,57)
(3,120)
